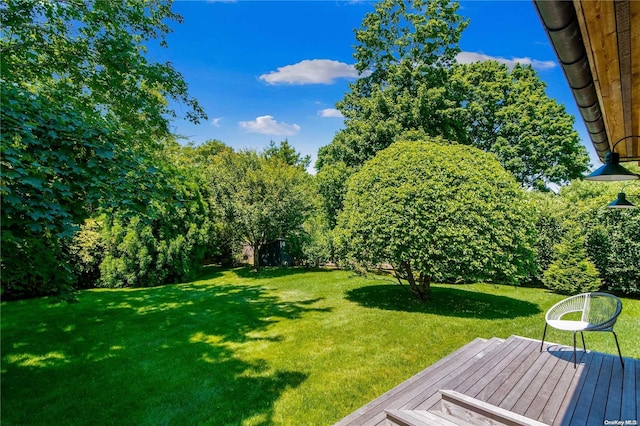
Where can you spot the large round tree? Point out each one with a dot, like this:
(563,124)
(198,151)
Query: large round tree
(437,211)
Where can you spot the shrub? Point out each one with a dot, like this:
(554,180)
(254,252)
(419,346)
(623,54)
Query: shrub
(165,244)
(437,211)
(571,272)
(613,243)
(612,235)
(551,225)
(87,250)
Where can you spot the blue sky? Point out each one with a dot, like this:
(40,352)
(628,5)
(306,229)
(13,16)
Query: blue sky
(273,70)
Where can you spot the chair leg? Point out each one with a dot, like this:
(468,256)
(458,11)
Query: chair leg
(583,345)
(618,346)
(544,333)
(574,349)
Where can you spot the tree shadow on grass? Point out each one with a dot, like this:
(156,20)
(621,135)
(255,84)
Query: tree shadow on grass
(267,272)
(445,301)
(162,355)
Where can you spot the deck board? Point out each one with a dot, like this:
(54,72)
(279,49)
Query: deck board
(555,382)
(582,407)
(561,389)
(573,391)
(491,369)
(514,375)
(530,372)
(613,409)
(528,399)
(630,402)
(508,376)
(367,414)
(472,371)
(601,393)
(502,371)
(441,377)
(519,369)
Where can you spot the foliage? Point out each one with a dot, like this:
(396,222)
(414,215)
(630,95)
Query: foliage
(571,272)
(58,162)
(508,113)
(410,87)
(165,245)
(260,198)
(438,212)
(403,52)
(83,114)
(551,226)
(318,244)
(87,251)
(614,246)
(612,235)
(331,183)
(286,154)
(94,51)
(202,161)
(199,157)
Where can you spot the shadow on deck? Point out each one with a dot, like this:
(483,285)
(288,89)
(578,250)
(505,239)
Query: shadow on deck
(511,382)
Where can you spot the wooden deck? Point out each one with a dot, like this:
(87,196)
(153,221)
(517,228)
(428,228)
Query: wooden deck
(511,382)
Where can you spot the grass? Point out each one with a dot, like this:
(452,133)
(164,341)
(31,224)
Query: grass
(282,347)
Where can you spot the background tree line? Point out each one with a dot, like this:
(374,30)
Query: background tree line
(442,169)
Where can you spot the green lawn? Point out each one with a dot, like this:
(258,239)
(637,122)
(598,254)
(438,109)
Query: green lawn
(286,347)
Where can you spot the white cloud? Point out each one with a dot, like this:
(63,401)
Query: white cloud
(216,122)
(311,71)
(266,125)
(471,57)
(330,112)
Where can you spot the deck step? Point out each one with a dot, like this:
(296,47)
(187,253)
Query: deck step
(513,375)
(463,409)
(417,418)
(402,395)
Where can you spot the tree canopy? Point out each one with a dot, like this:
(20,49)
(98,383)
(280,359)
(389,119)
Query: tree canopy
(260,198)
(507,112)
(287,154)
(437,212)
(94,52)
(403,53)
(84,118)
(410,86)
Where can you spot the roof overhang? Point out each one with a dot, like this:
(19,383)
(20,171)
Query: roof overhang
(598,45)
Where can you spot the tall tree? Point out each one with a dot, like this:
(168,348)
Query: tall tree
(94,51)
(287,154)
(84,114)
(507,112)
(403,53)
(437,211)
(261,199)
(331,183)
(167,242)
(411,87)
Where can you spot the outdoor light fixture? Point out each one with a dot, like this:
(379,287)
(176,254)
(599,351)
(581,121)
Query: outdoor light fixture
(612,170)
(621,202)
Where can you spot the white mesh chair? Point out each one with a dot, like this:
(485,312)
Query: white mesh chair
(598,312)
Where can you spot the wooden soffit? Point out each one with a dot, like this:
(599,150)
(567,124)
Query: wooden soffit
(611,36)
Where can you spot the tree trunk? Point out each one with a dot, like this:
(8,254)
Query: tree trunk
(424,283)
(256,257)
(421,287)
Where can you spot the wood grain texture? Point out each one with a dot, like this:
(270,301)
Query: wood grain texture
(514,375)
